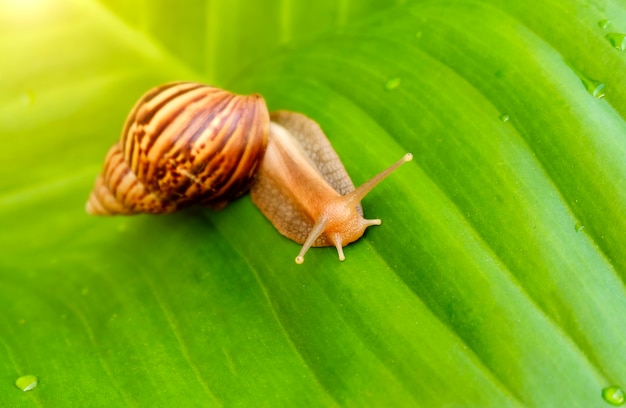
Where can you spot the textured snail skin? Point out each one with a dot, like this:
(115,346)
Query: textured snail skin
(304,190)
(183,143)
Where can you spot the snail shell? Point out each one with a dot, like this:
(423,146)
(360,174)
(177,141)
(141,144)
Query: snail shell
(186,143)
(183,143)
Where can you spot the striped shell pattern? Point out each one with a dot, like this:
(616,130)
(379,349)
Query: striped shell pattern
(183,143)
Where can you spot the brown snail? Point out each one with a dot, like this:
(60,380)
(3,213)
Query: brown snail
(187,143)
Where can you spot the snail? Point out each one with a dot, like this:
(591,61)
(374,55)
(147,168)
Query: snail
(187,143)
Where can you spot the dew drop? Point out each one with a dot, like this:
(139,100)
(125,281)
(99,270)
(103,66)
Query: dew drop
(604,24)
(392,84)
(617,40)
(26,382)
(614,395)
(595,88)
(418,35)
(505,117)
(579,227)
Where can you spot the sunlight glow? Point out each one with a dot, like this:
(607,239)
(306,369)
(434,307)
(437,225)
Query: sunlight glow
(17,8)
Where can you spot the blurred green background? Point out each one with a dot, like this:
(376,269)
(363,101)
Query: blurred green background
(496,278)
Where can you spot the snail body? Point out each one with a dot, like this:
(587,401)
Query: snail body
(304,190)
(187,143)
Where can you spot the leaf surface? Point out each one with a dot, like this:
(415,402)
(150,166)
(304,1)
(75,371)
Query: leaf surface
(496,278)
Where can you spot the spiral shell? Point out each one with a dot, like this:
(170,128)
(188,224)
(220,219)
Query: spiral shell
(183,143)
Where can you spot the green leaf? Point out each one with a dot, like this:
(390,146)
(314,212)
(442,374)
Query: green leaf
(496,278)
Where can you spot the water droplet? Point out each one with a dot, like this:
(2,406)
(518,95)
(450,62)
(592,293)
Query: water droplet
(614,395)
(579,227)
(418,35)
(617,40)
(26,382)
(504,117)
(604,24)
(594,87)
(393,83)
